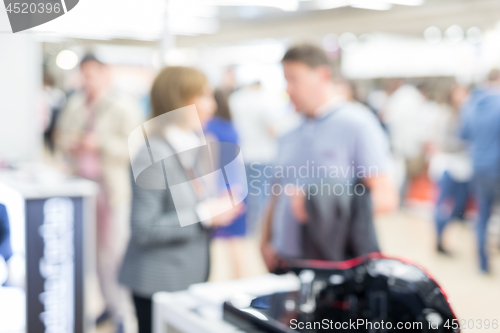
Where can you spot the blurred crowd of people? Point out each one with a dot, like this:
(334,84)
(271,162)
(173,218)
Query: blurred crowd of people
(454,143)
(301,168)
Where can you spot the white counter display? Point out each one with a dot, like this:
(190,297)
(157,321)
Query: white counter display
(12,310)
(59,226)
(199,309)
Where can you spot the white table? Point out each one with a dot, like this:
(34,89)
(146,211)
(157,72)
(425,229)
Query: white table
(12,310)
(199,309)
(178,313)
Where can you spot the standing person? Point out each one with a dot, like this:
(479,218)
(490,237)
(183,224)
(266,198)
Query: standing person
(405,120)
(255,116)
(92,133)
(336,134)
(54,100)
(162,255)
(450,164)
(221,127)
(481,129)
(229,84)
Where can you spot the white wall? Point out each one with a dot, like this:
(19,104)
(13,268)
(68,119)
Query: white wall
(20,93)
(399,56)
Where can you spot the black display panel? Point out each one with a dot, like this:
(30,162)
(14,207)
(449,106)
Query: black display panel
(54,265)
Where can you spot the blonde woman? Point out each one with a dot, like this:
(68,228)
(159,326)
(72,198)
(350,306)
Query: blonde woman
(162,255)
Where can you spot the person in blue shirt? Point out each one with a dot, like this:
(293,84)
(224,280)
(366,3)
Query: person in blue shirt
(221,128)
(336,141)
(481,129)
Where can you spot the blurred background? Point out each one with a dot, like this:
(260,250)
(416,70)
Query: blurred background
(414,63)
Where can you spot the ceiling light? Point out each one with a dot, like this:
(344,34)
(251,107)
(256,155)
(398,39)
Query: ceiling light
(66,59)
(371,4)
(286,5)
(406,2)
(474,35)
(364,38)
(364,4)
(347,40)
(455,33)
(186,8)
(329,4)
(190,25)
(432,35)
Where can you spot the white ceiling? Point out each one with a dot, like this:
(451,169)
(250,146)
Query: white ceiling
(229,21)
(407,20)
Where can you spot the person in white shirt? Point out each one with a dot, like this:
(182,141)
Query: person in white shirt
(255,114)
(450,165)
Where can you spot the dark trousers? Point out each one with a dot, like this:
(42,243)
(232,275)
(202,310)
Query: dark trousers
(451,203)
(487,191)
(143,312)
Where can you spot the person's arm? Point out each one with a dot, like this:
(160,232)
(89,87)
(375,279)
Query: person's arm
(384,195)
(152,224)
(372,155)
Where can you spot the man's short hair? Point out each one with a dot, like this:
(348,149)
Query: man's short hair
(311,55)
(90,57)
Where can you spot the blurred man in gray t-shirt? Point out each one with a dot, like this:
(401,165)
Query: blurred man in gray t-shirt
(337,139)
